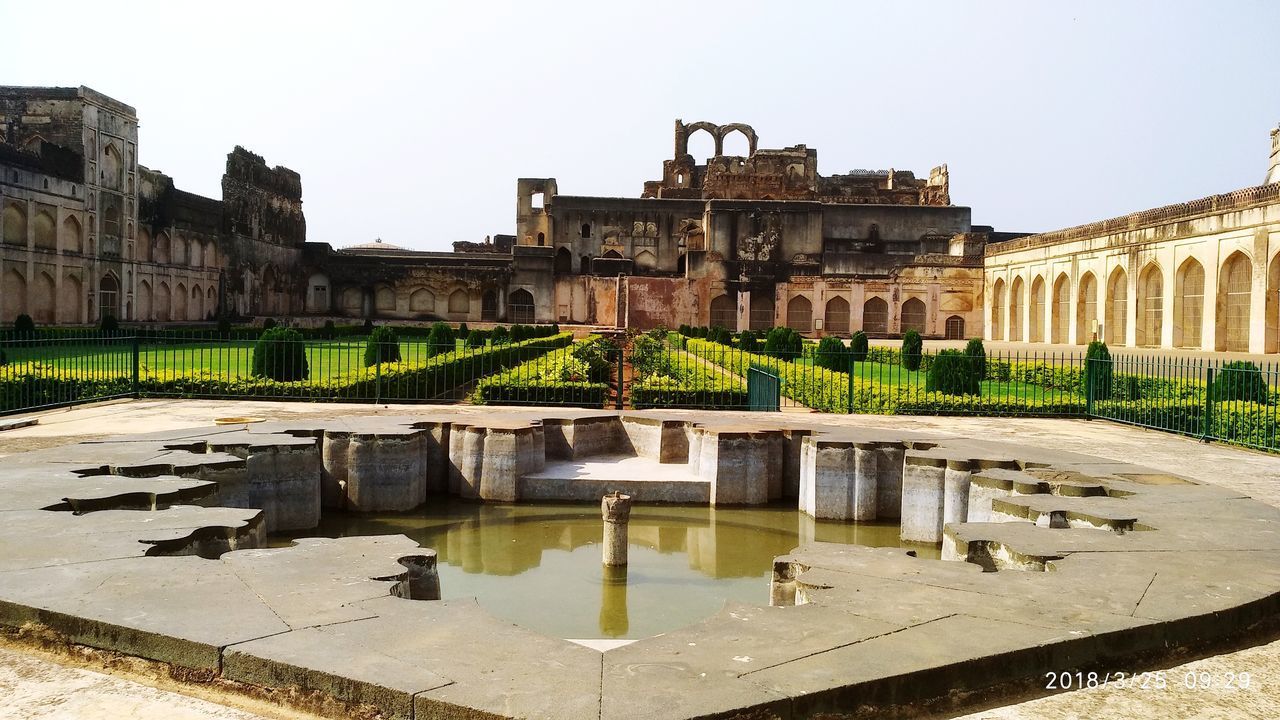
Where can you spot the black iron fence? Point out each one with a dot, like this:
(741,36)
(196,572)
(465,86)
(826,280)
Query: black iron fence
(1206,398)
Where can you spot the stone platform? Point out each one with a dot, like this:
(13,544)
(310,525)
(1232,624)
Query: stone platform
(151,546)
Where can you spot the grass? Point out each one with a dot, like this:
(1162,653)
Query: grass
(896,375)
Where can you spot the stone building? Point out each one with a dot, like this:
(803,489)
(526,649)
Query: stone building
(1203,275)
(89,232)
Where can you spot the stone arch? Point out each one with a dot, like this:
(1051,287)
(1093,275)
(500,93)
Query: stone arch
(179,254)
(211,301)
(1150,310)
(489,305)
(835,319)
(1086,309)
(43,298)
(692,130)
(142,246)
(1117,307)
(746,131)
(144,301)
(761,311)
(318,294)
(112,172)
(109,296)
(72,235)
(179,312)
(914,315)
(564,260)
(161,250)
(1015,310)
(520,306)
(997,309)
(954,328)
(1235,295)
(459,302)
(1037,310)
(14,230)
(612,255)
(45,231)
(724,312)
(800,314)
(195,309)
(875,316)
(70,299)
(1061,312)
(422,300)
(163,302)
(384,299)
(352,302)
(647,260)
(211,254)
(195,256)
(15,293)
(1272,310)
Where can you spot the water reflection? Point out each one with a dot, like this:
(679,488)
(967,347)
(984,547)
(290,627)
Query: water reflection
(539,566)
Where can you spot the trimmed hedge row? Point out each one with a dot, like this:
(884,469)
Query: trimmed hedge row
(672,378)
(577,378)
(1234,421)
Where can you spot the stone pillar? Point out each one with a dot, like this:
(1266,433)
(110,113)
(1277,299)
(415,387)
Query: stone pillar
(923,483)
(865,483)
(421,579)
(889,480)
(616,510)
(955,500)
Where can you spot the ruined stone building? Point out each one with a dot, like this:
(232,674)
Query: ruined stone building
(742,242)
(1203,275)
(88,231)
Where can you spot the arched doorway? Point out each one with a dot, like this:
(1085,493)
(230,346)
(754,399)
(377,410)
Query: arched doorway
(1015,311)
(800,314)
(997,310)
(1087,310)
(489,306)
(955,328)
(1037,310)
(564,261)
(520,306)
(108,297)
(724,312)
(1234,297)
(875,316)
(1117,307)
(1150,315)
(913,315)
(1061,310)
(836,321)
(761,311)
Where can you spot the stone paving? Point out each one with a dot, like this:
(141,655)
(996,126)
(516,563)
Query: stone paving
(822,575)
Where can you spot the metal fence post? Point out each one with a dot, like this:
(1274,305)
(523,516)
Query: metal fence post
(136,361)
(619,363)
(1207,422)
(852,365)
(1090,382)
(377,381)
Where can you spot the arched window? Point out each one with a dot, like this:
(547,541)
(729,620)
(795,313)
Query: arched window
(43,299)
(520,306)
(701,144)
(1117,307)
(196,258)
(162,247)
(459,302)
(15,225)
(179,312)
(1150,306)
(70,300)
(384,299)
(196,308)
(422,301)
(352,301)
(163,302)
(1037,310)
(1234,293)
(584,265)
(179,250)
(913,315)
(799,314)
(145,307)
(586,230)
(761,310)
(1015,311)
(875,316)
(15,293)
(489,306)
(45,231)
(112,172)
(109,297)
(955,328)
(1086,310)
(1061,310)
(741,143)
(542,239)
(724,312)
(836,321)
(997,310)
(72,235)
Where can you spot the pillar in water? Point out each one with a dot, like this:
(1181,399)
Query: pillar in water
(616,510)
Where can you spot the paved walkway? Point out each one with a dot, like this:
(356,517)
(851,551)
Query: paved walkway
(40,687)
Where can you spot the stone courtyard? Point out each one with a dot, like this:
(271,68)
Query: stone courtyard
(845,587)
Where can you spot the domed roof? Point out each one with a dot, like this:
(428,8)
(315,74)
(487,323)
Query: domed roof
(377,244)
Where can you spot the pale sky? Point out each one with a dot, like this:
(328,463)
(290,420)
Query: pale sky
(412,121)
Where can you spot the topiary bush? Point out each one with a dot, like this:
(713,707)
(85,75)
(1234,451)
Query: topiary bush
(109,325)
(268,323)
(462,330)
(912,350)
(368,325)
(329,332)
(748,341)
(439,340)
(720,335)
(784,343)
(476,338)
(383,347)
(519,333)
(500,335)
(977,355)
(224,326)
(685,330)
(280,354)
(858,346)
(24,326)
(1098,371)
(1239,380)
(832,354)
(952,373)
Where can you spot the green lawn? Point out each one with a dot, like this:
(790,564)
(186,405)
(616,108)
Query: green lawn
(895,375)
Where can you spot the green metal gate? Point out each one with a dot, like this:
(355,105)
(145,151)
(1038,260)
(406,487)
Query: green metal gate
(764,390)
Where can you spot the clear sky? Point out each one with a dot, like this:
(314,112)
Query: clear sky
(412,121)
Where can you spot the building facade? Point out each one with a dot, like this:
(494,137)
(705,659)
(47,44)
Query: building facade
(1201,275)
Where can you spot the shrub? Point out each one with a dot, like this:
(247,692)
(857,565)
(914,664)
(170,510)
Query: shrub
(686,330)
(858,346)
(280,354)
(555,328)
(383,347)
(748,341)
(832,354)
(476,338)
(24,326)
(1239,380)
(912,350)
(500,336)
(720,335)
(1097,376)
(368,325)
(268,324)
(462,330)
(783,342)
(439,340)
(4,358)
(109,324)
(977,355)
(952,373)
(329,332)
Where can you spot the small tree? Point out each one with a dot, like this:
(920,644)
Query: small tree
(280,354)
(368,325)
(476,338)
(952,373)
(109,325)
(383,347)
(462,330)
(832,354)
(977,355)
(1239,380)
(330,331)
(912,350)
(685,330)
(268,324)
(500,336)
(858,346)
(24,326)
(1097,371)
(748,342)
(440,339)
(720,335)
(784,343)
(224,326)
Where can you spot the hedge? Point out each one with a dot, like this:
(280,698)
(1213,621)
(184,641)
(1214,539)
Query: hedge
(578,378)
(671,378)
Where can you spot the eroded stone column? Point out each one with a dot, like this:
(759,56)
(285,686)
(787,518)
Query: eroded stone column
(421,580)
(955,501)
(923,482)
(616,510)
(865,495)
(889,462)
